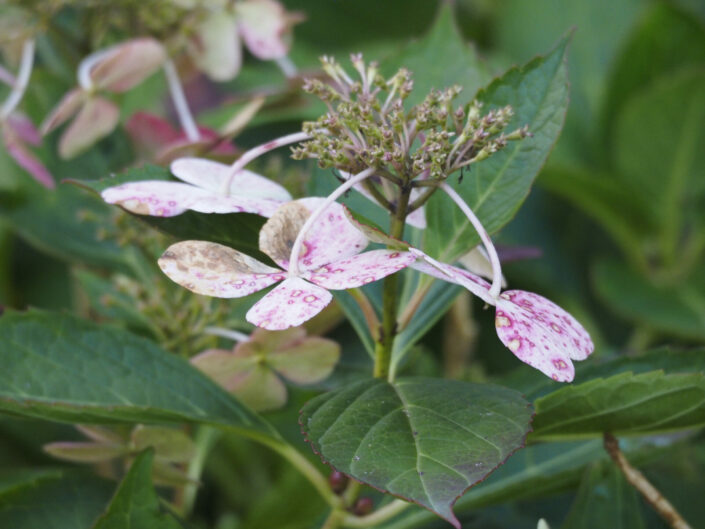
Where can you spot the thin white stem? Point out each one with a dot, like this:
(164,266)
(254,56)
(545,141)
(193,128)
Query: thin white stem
(22,81)
(87,64)
(484,237)
(258,151)
(298,243)
(236,336)
(287,66)
(188,124)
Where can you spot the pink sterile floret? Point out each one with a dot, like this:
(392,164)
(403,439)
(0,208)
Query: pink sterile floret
(330,260)
(536,330)
(202,192)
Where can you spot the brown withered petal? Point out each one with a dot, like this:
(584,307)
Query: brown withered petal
(97,119)
(278,234)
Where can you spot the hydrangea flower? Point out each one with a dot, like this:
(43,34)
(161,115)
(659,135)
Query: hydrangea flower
(201,191)
(254,369)
(536,330)
(330,259)
(116,70)
(264,26)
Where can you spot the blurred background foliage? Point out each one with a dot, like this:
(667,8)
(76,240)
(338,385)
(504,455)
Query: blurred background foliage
(618,214)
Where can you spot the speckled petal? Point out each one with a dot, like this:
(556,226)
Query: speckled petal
(565,329)
(167,199)
(215,270)
(212,175)
(452,274)
(288,305)
(360,269)
(531,342)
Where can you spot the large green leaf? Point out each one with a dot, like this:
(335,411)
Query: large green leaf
(55,501)
(625,404)
(665,41)
(237,230)
(426,440)
(674,309)
(605,499)
(496,187)
(136,504)
(658,149)
(533,384)
(441,59)
(62,368)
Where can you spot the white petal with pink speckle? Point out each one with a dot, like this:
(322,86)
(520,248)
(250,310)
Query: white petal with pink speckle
(289,304)
(536,331)
(360,269)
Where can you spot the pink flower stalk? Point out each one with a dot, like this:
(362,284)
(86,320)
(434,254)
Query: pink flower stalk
(115,70)
(329,259)
(264,26)
(203,191)
(536,330)
(156,140)
(17,130)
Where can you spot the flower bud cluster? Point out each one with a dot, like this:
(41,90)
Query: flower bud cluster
(369,124)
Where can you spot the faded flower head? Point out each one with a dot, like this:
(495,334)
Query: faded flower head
(368,125)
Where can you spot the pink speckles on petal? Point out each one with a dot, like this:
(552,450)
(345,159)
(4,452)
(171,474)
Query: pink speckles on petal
(360,269)
(166,199)
(331,238)
(290,304)
(529,326)
(566,328)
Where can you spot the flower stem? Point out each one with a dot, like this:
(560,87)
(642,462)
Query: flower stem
(258,151)
(22,81)
(230,334)
(298,243)
(486,241)
(287,66)
(188,124)
(206,437)
(660,504)
(388,330)
(380,515)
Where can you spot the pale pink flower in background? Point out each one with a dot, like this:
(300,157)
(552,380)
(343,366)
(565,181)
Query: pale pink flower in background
(115,70)
(201,191)
(264,26)
(330,260)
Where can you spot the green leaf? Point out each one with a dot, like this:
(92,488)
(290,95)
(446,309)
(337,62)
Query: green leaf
(441,59)
(496,187)
(425,440)
(237,230)
(62,368)
(605,499)
(61,501)
(65,223)
(625,404)
(674,309)
(665,41)
(658,150)
(136,504)
(534,384)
